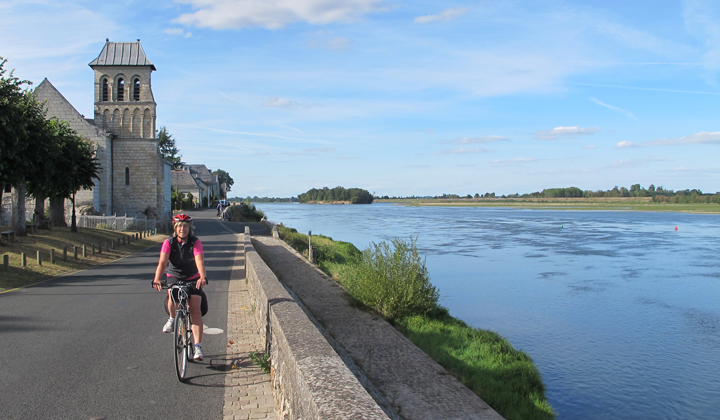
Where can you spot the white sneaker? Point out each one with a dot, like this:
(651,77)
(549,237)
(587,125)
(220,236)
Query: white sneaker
(169,325)
(198,354)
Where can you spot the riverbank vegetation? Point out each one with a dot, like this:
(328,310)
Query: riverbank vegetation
(245,212)
(645,199)
(336,195)
(392,280)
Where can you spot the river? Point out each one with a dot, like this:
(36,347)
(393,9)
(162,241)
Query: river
(619,310)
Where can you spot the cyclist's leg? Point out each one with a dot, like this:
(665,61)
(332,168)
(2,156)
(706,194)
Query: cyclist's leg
(171,306)
(196,317)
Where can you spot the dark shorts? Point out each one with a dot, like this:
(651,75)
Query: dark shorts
(192,291)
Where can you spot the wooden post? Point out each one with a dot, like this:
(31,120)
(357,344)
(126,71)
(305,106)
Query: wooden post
(100,247)
(93,249)
(113,243)
(310,250)
(52,256)
(84,251)
(77,249)
(24,260)
(65,253)
(6,261)
(39,258)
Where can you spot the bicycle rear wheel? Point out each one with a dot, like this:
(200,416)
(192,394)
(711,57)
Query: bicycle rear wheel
(180,344)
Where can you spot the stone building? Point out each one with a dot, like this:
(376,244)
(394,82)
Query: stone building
(134,178)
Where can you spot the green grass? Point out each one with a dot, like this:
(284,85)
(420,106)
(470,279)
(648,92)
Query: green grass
(505,378)
(485,362)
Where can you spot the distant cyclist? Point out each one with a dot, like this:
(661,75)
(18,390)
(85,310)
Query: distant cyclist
(182,256)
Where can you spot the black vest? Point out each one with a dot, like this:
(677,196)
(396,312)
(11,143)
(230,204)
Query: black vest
(182,261)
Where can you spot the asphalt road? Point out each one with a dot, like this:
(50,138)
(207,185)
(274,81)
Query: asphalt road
(90,345)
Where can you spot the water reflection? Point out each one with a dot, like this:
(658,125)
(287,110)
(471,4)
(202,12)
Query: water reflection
(618,310)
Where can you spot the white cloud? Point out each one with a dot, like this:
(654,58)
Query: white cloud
(333,44)
(274,14)
(517,161)
(276,102)
(620,110)
(487,139)
(444,16)
(634,163)
(701,19)
(590,147)
(178,31)
(570,132)
(462,151)
(702,137)
(311,151)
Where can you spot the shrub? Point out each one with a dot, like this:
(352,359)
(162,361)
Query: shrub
(393,281)
(102,226)
(245,213)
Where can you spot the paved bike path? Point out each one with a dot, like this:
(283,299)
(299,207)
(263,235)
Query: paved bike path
(89,345)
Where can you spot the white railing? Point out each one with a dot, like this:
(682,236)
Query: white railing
(122,223)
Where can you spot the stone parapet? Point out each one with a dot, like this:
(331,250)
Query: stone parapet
(309,379)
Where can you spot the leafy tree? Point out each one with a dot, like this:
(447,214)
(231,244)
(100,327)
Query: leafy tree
(168,149)
(224,177)
(72,167)
(22,134)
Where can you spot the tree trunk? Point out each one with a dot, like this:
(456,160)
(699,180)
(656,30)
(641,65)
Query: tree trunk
(57,211)
(39,210)
(18,208)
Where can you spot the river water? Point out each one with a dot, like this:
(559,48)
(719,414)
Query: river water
(619,310)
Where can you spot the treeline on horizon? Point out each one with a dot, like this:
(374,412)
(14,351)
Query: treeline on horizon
(329,195)
(658,194)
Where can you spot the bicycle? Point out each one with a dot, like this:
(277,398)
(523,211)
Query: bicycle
(183,344)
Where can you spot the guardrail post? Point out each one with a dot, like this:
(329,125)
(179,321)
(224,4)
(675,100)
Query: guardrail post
(52,256)
(65,253)
(6,261)
(39,258)
(84,251)
(24,260)
(77,249)
(310,250)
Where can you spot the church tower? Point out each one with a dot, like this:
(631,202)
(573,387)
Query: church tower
(125,108)
(124,102)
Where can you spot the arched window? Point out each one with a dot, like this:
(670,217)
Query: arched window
(121,90)
(127,176)
(136,89)
(105,87)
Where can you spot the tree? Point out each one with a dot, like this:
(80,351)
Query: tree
(224,177)
(71,166)
(168,149)
(22,133)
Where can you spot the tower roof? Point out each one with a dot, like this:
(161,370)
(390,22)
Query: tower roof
(122,54)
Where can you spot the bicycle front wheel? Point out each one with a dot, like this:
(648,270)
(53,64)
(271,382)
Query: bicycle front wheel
(180,342)
(190,343)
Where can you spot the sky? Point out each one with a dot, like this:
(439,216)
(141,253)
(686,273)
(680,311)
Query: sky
(407,98)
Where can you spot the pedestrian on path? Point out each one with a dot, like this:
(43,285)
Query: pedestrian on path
(181,257)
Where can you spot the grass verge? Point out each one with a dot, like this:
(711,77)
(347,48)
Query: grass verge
(57,239)
(504,377)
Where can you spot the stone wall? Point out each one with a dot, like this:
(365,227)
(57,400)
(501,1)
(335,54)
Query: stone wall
(142,188)
(309,379)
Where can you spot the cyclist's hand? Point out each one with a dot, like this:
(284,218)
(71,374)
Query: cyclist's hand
(200,283)
(157,285)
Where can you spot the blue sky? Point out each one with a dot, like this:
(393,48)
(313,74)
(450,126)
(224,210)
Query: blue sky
(405,98)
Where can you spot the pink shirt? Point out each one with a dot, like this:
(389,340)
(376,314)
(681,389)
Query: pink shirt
(197,250)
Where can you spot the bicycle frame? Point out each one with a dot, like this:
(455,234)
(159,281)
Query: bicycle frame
(182,337)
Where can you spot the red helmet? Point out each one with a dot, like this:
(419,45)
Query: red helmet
(182,217)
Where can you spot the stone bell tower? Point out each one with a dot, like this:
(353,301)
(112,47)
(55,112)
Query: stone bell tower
(125,108)
(124,102)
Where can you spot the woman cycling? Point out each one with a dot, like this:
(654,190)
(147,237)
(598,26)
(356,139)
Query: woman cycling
(182,256)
